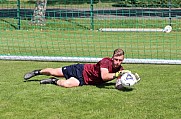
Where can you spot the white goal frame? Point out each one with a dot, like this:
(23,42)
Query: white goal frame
(88,59)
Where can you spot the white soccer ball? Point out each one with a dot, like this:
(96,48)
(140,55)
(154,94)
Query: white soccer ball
(127,80)
(167,29)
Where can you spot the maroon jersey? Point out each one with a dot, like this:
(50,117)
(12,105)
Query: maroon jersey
(92,72)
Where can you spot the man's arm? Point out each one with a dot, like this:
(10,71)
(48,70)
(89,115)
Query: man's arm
(106,76)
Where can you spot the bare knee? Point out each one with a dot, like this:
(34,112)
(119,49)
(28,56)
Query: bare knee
(64,83)
(68,83)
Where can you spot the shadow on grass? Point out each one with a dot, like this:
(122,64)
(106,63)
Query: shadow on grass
(9,23)
(112,86)
(32,80)
(105,85)
(126,89)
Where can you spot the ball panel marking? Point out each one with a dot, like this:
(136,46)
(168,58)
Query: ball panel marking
(127,80)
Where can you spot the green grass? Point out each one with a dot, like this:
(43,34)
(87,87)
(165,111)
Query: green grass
(157,96)
(85,23)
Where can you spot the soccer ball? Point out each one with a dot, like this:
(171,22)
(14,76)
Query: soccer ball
(127,80)
(167,29)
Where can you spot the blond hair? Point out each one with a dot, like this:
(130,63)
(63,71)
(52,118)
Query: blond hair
(118,52)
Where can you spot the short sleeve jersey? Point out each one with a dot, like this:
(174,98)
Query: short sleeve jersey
(92,72)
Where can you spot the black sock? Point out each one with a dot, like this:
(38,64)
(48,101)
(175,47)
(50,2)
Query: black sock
(54,81)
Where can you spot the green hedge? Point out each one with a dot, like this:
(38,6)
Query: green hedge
(146,3)
(3,1)
(116,3)
(121,3)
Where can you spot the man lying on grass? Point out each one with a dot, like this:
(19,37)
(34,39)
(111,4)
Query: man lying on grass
(103,71)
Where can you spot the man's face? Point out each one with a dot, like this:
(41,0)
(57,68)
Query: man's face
(117,61)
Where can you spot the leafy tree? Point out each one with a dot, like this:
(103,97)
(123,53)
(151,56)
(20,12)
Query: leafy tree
(117,3)
(3,1)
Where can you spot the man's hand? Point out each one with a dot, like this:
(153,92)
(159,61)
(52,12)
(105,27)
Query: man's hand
(137,77)
(120,73)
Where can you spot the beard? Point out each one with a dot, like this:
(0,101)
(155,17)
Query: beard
(116,65)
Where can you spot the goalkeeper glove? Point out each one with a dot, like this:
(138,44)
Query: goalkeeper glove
(120,73)
(137,77)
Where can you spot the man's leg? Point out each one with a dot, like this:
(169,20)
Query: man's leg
(71,82)
(48,71)
(52,72)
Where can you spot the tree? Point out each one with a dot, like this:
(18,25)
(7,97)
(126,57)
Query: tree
(39,12)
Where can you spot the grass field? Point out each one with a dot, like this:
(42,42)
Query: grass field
(157,96)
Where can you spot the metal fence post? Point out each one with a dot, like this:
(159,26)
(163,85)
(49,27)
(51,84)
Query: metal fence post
(92,14)
(170,16)
(18,14)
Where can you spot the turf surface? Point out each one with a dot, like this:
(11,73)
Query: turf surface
(157,96)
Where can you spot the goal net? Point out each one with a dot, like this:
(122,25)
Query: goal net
(79,31)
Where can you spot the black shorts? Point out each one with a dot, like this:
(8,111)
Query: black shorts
(76,71)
